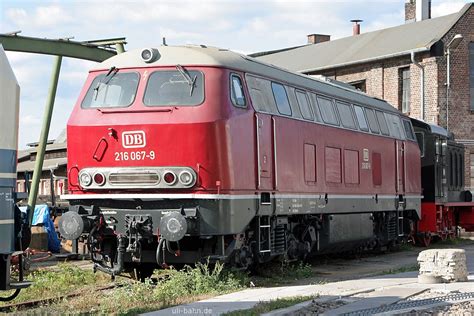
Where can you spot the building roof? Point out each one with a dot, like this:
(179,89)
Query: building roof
(48,164)
(366,47)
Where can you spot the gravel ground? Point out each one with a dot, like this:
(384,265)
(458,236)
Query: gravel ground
(459,309)
(463,308)
(317,308)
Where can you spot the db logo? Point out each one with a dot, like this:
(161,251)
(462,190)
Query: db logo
(133,139)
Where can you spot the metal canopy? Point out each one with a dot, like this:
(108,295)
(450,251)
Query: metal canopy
(92,50)
(98,51)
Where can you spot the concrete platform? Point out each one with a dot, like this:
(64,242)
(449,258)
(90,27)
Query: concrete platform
(385,289)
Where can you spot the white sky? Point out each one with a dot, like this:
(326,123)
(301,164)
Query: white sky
(245,26)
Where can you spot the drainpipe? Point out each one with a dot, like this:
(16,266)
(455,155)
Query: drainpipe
(422,84)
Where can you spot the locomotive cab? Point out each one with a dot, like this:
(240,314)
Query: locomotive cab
(442,164)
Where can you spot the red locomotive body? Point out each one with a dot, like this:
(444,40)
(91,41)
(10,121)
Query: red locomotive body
(178,154)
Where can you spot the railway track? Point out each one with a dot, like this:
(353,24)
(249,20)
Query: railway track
(45,301)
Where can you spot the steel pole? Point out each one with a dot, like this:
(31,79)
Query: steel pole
(48,112)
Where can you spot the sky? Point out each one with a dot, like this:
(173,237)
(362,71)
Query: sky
(245,26)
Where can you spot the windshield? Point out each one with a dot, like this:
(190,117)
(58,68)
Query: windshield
(114,89)
(178,87)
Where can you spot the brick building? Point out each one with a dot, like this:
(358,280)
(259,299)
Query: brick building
(406,65)
(53,176)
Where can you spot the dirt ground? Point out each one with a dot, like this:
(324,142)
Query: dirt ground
(330,269)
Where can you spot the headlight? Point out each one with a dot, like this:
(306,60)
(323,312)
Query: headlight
(186,178)
(149,55)
(85,179)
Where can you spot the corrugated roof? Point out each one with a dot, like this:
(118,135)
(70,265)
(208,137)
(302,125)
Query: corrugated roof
(47,164)
(381,44)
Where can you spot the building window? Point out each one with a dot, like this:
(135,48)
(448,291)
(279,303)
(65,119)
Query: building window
(405,90)
(471,72)
(359,85)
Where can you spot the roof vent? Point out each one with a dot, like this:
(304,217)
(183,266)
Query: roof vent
(356,26)
(318,38)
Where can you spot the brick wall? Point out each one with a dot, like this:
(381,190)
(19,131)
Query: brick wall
(410,10)
(461,118)
(383,81)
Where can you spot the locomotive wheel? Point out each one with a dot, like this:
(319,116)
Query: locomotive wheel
(424,239)
(144,271)
(452,235)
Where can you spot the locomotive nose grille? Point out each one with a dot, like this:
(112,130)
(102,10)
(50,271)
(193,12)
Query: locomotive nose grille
(122,178)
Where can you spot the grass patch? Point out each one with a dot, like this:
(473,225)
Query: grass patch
(276,273)
(131,298)
(65,279)
(265,307)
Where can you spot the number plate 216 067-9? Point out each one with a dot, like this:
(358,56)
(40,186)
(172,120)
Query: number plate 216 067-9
(134,155)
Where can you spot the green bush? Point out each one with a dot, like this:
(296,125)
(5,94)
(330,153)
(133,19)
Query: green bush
(180,286)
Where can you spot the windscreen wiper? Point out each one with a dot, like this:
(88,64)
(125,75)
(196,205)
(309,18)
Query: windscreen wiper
(110,74)
(187,77)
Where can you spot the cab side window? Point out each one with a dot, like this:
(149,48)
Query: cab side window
(281,99)
(237,91)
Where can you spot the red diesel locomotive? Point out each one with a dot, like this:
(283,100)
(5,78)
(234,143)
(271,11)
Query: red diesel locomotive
(182,154)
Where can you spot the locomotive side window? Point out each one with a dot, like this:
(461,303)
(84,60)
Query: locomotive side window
(281,99)
(382,123)
(237,91)
(374,127)
(359,111)
(115,89)
(303,103)
(408,129)
(314,105)
(261,94)
(174,88)
(394,126)
(345,114)
(327,110)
